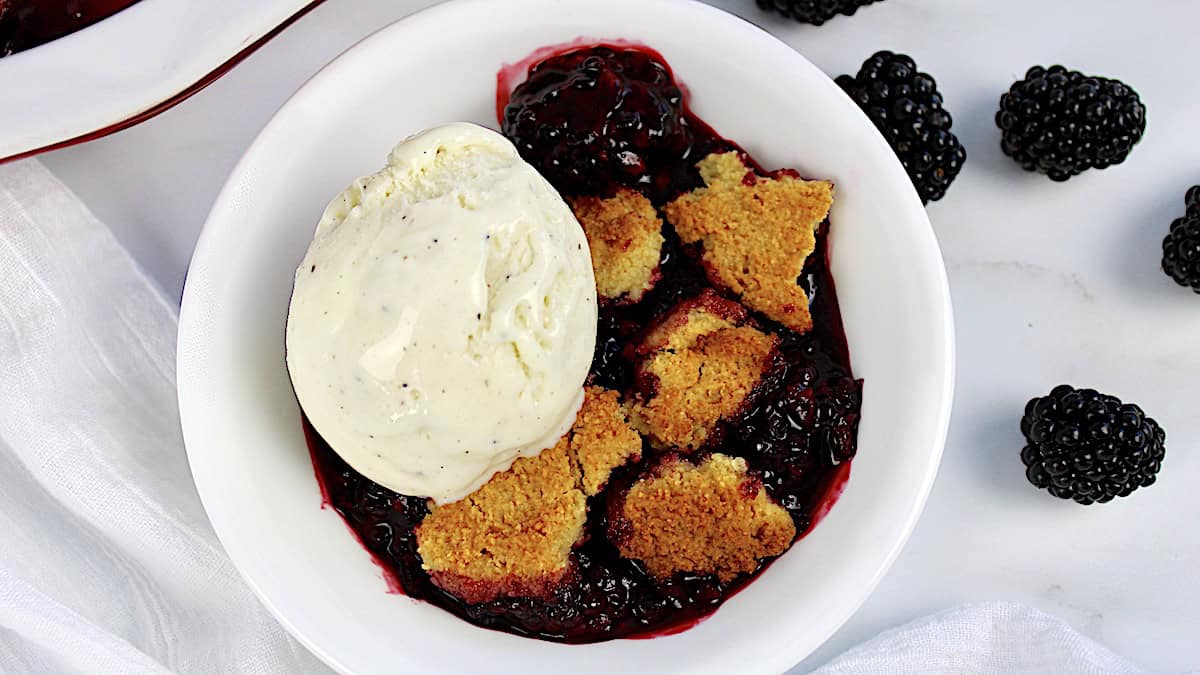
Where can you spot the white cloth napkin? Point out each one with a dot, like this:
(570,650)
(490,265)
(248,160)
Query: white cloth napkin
(107,563)
(990,637)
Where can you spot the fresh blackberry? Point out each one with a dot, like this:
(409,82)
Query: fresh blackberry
(623,118)
(906,106)
(1090,447)
(815,12)
(1061,122)
(1181,248)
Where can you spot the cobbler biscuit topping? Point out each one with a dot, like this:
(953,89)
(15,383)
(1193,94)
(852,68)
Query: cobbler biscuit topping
(624,233)
(711,518)
(698,369)
(513,537)
(756,233)
(602,439)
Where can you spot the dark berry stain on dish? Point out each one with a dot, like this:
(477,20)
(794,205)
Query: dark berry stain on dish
(594,119)
(25,24)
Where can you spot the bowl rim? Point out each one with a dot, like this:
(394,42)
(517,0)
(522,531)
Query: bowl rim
(777,661)
(141,82)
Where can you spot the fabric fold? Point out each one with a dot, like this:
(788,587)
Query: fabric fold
(109,563)
(989,637)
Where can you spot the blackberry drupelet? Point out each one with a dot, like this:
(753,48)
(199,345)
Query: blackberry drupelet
(1061,122)
(815,12)
(906,106)
(1181,247)
(592,116)
(1088,446)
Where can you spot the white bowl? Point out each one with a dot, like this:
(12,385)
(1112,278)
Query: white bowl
(242,425)
(128,68)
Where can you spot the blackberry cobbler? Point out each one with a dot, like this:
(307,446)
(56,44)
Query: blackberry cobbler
(720,413)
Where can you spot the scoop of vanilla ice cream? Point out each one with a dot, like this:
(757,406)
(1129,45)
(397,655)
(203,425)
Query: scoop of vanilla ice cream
(444,318)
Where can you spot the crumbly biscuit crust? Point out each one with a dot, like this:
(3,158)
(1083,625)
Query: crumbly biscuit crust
(756,233)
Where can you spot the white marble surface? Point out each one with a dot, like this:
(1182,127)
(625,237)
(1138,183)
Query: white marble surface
(1051,283)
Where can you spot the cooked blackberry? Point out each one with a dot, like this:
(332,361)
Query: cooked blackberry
(906,106)
(25,24)
(815,12)
(1088,446)
(1181,247)
(593,116)
(808,424)
(610,367)
(1061,122)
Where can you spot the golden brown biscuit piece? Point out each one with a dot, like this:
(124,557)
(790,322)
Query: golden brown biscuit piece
(700,366)
(756,233)
(602,439)
(514,536)
(511,537)
(624,233)
(709,519)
